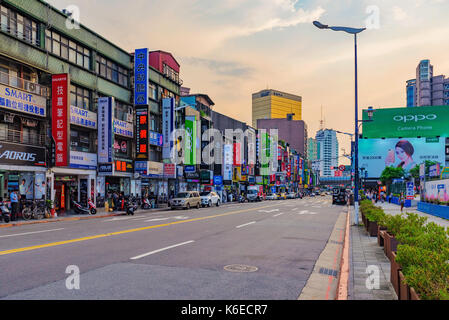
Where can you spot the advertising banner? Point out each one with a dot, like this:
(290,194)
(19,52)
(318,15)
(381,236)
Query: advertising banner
(123,128)
(407,122)
(40,186)
(410,190)
(82,117)
(141,76)
(142,133)
(437,190)
(376,154)
(227,162)
(19,154)
(434,171)
(105,134)
(124,166)
(60,118)
(156,139)
(83,160)
(21,101)
(168,125)
(170,170)
(190,141)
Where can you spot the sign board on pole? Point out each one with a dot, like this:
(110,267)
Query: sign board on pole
(410,194)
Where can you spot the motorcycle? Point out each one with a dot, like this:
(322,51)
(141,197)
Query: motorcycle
(146,204)
(90,209)
(130,206)
(5,213)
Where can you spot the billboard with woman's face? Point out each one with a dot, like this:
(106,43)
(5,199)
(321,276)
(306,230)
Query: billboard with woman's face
(376,154)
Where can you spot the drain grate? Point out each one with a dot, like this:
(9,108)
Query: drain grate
(336,242)
(240,268)
(329,272)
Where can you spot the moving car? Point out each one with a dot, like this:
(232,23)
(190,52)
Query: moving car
(291,195)
(272,196)
(339,195)
(209,199)
(186,200)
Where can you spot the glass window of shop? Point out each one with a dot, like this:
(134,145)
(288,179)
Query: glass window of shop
(81,98)
(111,71)
(67,49)
(18,25)
(82,141)
(123,111)
(29,185)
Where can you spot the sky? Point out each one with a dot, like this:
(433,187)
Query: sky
(230,49)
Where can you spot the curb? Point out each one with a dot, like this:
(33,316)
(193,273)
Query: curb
(342,287)
(18,224)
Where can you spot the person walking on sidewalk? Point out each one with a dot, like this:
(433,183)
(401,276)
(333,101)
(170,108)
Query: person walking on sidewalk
(14,205)
(402,201)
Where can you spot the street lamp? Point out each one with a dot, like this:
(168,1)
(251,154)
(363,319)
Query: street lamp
(353,31)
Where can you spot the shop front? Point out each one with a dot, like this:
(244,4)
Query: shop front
(116,177)
(153,184)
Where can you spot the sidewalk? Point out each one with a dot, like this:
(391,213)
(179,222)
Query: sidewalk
(101,213)
(366,252)
(394,209)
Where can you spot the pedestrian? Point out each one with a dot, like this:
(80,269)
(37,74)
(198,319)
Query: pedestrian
(14,204)
(402,201)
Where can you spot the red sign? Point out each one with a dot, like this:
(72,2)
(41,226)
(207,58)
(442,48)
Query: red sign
(169,170)
(341,168)
(60,118)
(338,173)
(237,159)
(289,169)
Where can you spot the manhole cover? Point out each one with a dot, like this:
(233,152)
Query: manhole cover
(240,268)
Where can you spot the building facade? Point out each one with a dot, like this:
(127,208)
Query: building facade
(274,104)
(327,154)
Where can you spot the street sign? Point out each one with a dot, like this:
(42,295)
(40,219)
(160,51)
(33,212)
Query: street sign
(410,190)
(341,168)
(218,180)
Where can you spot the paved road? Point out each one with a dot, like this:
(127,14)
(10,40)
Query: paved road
(171,254)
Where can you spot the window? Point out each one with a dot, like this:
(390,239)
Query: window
(122,111)
(80,98)
(111,71)
(67,49)
(80,141)
(18,25)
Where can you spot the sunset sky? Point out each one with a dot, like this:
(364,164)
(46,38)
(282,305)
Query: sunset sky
(230,49)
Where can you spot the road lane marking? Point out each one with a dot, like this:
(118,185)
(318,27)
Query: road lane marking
(268,211)
(156,219)
(163,249)
(32,232)
(246,224)
(276,215)
(58,243)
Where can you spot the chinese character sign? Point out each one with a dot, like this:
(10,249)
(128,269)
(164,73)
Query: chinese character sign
(105,138)
(141,80)
(168,125)
(60,118)
(142,133)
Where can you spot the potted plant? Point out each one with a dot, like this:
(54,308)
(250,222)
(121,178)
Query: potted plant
(51,209)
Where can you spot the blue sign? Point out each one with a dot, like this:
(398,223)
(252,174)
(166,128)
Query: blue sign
(141,77)
(440,186)
(273,189)
(189,169)
(156,139)
(218,180)
(105,134)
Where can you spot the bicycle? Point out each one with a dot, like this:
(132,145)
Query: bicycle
(36,210)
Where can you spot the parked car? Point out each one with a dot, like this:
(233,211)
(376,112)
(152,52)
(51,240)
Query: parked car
(299,195)
(291,195)
(282,196)
(339,195)
(209,199)
(186,200)
(272,196)
(255,193)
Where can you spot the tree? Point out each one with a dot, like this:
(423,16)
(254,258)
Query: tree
(390,173)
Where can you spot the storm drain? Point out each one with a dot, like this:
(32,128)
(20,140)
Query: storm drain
(336,242)
(329,272)
(240,268)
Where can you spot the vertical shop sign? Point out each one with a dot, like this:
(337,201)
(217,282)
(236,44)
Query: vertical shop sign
(190,141)
(142,133)
(141,76)
(60,118)
(168,125)
(105,137)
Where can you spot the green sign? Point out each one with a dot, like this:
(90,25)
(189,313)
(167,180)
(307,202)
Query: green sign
(190,141)
(407,122)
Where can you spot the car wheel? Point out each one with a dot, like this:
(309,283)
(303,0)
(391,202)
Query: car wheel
(209,204)
(198,205)
(218,203)
(188,206)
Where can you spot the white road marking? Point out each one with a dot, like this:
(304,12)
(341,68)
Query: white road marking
(268,211)
(156,219)
(181,217)
(246,224)
(32,232)
(118,219)
(276,215)
(159,250)
(303,212)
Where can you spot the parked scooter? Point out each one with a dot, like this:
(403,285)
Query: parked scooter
(146,204)
(5,213)
(90,209)
(130,206)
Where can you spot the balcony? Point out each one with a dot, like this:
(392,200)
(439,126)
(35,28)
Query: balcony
(23,84)
(21,137)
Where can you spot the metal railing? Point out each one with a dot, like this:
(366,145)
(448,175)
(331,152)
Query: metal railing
(22,137)
(23,84)
(21,35)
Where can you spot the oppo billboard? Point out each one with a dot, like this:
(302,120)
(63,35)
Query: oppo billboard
(376,154)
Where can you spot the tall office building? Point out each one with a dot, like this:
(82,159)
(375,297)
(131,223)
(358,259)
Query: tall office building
(327,151)
(427,89)
(312,149)
(273,104)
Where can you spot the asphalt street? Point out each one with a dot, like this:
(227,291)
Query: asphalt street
(179,254)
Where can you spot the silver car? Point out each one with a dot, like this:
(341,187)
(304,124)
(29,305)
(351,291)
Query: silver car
(209,199)
(186,200)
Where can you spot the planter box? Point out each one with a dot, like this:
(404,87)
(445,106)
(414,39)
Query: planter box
(390,245)
(380,235)
(394,275)
(434,209)
(404,289)
(413,294)
(372,228)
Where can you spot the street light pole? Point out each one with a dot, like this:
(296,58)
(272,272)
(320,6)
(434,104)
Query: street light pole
(356,142)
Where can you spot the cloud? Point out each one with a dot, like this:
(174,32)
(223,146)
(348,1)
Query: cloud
(399,14)
(225,68)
